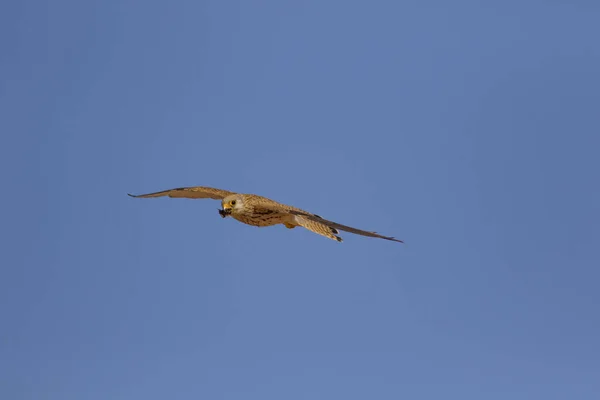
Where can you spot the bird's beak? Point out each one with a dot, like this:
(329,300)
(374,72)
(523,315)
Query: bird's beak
(225,211)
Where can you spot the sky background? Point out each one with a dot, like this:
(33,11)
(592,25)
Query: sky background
(468,129)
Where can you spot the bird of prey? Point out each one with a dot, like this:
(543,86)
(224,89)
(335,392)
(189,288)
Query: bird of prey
(260,211)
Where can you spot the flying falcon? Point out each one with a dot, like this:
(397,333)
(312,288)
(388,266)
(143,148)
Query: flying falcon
(256,210)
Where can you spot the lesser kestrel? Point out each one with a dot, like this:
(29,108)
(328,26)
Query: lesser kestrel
(260,211)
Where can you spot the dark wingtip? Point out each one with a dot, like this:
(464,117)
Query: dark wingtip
(393,239)
(339,239)
(131,195)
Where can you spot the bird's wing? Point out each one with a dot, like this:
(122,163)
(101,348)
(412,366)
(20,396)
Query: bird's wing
(281,208)
(345,228)
(195,192)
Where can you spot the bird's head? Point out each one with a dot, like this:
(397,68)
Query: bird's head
(230,204)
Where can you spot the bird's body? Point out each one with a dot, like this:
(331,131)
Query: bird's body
(261,211)
(254,212)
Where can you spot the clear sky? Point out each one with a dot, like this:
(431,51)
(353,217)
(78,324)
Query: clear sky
(469,129)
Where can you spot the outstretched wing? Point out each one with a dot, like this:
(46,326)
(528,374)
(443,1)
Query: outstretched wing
(284,209)
(194,192)
(346,228)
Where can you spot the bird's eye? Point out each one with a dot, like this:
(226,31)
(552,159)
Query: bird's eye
(233,202)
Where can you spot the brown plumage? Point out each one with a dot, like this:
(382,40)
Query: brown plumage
(260,211)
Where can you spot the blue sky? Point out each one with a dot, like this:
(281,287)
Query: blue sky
(467,129)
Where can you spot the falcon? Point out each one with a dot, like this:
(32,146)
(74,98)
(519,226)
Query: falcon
(260,211)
